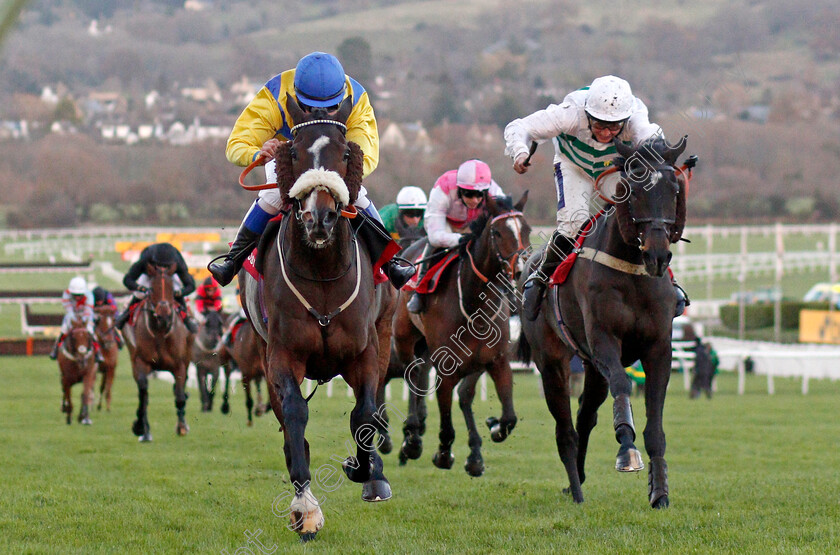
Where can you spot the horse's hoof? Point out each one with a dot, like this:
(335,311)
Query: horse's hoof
(145,438)
(631,461)
(307,537)
(443,461)
(260,410)
(182,429)
(376,490)
(474,466)
(577,495)
(385,444)
(86,421)
(412,449)
(226,410)
(660,503)
(402,458)
(250,423)
(137,428)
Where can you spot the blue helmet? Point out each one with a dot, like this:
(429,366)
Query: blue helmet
(319,80)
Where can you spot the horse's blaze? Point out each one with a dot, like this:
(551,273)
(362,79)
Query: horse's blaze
(305,516)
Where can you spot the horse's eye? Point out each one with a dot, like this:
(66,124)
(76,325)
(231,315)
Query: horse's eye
(347,155)
(293,153)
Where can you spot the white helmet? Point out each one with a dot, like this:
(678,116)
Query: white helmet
(78,286)
(609,99)
(411,198)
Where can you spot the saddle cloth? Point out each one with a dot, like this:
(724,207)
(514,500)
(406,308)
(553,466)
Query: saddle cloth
(562,271)
(431,280)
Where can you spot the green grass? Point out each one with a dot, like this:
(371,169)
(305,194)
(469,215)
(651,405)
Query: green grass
(752,473)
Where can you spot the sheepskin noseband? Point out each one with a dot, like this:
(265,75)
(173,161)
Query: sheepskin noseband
(320,179)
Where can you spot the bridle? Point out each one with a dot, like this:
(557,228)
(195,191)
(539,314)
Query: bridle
(71,338)
(506,262)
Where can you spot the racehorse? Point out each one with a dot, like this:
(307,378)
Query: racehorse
(247,354)
(206,357)
(466,332)
(159,340)
(325,316)
(106,335)
(615,307)
(77,363)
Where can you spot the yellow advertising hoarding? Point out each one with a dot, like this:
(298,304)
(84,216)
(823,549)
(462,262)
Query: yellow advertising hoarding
(819,326)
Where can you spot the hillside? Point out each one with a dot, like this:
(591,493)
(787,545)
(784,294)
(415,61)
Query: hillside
(745,79)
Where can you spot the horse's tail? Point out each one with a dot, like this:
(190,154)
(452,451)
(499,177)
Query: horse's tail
(523,349)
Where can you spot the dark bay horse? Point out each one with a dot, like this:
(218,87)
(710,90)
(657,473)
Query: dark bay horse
(159,340)
(617,306)
(325,316)
(106,335)
(205,356)
(77,363)
(466,331)
(247,354)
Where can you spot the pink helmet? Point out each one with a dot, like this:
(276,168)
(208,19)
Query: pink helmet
(473,175)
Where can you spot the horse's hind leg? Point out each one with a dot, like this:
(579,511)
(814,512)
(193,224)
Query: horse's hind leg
(417,377)
(502,376)
(201,375)
(249,401)
(211,392)
(141,424)
(595,391)
(181,400)
(466,393)
(556,386)
(89,382)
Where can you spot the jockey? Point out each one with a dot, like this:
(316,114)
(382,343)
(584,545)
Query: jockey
(77,301)
(102,298)
(455,201)
(317,82)
(159,254)
(404,219)
(582,129)
(208,297)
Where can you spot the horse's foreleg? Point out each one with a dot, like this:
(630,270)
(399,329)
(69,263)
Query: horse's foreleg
(367,467)
(385,443)
(181,400)
(556,387)
(201,378)
(109,384)
(416,375)
(608,363)
(141,377)
(214,379)
(595,391)
(444,458)
(67,401)
(89,383)
(657,365)
(502,376)
(229,368)
(466,394)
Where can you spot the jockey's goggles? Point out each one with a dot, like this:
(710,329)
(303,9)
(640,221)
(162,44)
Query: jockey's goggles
(413,213)
(469,193)
(601,125)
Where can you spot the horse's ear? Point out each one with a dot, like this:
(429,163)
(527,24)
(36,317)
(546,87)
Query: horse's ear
(344,109)
(625,151)
(674,152)
(294,110)
(283,164)
(355,170)
(521,203)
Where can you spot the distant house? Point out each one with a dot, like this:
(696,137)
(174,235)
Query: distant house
(208,93)
(406,136)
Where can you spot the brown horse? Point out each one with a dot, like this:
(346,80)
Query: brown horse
(77,363)
(206,357)
(106,335)
(466,332)
(247,354)
(616,307)
(325,316)
(159,340)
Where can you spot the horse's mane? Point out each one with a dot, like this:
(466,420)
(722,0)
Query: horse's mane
(286,179)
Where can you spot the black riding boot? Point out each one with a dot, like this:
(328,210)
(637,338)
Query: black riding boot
(54,351)
(126,314)
(556,251)
(189,321)
(231,263)
(682,298)
(417,303)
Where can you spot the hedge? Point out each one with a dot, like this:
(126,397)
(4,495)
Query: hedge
(760,315)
